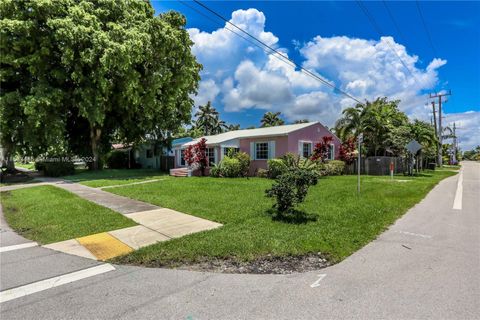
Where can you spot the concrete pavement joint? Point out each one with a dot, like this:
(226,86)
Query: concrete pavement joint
(414,234)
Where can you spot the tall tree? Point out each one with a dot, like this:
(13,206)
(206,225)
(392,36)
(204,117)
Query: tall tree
(219,126)
(102,67)
(233,127)
(351,122)
(301,121)
(375,120)
(271,119)
(207,118)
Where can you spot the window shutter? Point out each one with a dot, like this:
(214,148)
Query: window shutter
(252,151)
(222,152)
(215,155)
(300,148)
(271,149)
(332,152)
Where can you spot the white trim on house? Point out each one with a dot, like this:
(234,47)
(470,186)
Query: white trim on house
(226,137)
(270,149)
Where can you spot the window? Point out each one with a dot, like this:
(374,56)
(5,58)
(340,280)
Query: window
(210,154)
(261,151)
(182,157)
(149,153)
(307,149)
(331,152)
(230,151)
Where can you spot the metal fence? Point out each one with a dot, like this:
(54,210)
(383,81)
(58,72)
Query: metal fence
(167,163)
(377,166)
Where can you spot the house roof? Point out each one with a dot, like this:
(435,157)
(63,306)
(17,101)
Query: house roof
(253,133)
(181,141)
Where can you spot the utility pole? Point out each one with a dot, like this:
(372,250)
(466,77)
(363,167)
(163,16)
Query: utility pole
(439,131)
(434,119)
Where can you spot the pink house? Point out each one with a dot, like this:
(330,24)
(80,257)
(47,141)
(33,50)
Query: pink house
(264,143)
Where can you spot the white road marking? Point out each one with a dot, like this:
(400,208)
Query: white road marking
(457,203)
(130,184)
(415,234)
(317,283)
(18,246)
(31,288)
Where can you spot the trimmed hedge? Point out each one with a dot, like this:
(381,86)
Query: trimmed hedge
(55,168)
(332,168)
(117,160)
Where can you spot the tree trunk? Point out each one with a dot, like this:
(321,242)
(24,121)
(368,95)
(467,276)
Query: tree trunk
(95,134)
(8,158)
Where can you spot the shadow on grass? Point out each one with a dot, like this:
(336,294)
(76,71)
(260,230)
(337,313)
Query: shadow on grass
(293,217)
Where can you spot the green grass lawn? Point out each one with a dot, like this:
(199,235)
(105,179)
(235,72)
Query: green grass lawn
(30,165)
(110,177)
(345,223)
(48,214)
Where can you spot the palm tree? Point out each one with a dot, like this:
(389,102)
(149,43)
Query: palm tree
(207,117)
(271,119)
(351,123)
(301,121)
(233,127)
(218,126)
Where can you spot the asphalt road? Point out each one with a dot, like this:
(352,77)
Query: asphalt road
(426,266)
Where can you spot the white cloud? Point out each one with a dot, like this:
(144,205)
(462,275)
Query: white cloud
(468,131)
(207,91)
(240,76)
(256,88)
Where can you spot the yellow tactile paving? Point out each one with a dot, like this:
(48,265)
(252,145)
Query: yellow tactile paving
(104,246)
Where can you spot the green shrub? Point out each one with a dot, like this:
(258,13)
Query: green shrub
(290,189)
(228,168)
(215,171)
(262,173)
(58,168)
(276,167)
(117,160)
(334,168)
(39,165)
(292,160)
(244,160)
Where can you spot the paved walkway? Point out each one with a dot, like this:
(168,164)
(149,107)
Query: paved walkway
(155,224)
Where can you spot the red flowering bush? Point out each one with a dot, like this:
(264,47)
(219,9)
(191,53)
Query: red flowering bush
(196,155)
(347,151)
(322,149)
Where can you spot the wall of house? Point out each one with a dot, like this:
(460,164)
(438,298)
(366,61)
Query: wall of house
(281,147)
(284,144)
(147,163)
(314,134)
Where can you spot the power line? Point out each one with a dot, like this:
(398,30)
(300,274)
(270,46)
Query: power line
(400,33)
(426,28)
(234,32)
(379,31)
(277,54)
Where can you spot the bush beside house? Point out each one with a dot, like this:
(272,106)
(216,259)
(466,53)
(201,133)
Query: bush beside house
(277,167)
(232,166)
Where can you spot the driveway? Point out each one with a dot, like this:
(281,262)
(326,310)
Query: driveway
(425,266)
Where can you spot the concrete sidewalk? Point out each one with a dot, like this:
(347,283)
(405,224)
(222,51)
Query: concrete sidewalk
(155,224)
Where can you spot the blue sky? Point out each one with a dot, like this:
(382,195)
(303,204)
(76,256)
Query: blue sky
(336,40)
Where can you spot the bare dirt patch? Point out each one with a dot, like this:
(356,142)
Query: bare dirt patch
(265,265)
